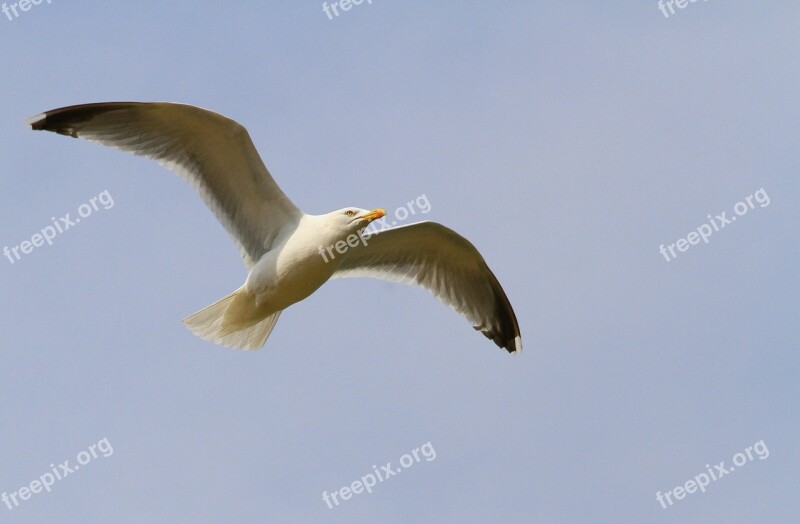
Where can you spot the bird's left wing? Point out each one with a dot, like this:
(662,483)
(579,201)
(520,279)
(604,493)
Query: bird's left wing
(211,152)
(438,259)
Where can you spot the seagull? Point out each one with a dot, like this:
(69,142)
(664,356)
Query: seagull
(282,246)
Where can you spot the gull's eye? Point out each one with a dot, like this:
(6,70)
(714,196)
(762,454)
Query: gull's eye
(349,213)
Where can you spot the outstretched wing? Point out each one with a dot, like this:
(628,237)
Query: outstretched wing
(438,259)
(212,153)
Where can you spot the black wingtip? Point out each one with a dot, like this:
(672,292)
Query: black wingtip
(44,122)
(506,333)
(37,121)
(512,345)
(67,120)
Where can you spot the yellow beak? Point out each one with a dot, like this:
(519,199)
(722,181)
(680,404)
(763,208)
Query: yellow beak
(375,214)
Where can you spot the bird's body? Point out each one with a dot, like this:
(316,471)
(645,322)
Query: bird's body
(282,247)
(293,269)
(286,274)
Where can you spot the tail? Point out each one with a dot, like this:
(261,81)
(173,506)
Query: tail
(234,321)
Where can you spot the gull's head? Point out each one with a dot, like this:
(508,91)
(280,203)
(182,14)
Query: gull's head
(352,219)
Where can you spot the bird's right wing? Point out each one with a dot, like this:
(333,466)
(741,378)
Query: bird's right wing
(438,259)
(211,152)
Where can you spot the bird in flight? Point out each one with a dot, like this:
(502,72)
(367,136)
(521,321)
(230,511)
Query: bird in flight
(280,244)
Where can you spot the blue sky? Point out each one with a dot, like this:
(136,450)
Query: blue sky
(567,141)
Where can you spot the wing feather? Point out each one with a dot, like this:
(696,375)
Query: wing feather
(436,258)
(214,154)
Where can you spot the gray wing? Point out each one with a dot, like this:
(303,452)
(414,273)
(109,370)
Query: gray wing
(212,153)
(438,259)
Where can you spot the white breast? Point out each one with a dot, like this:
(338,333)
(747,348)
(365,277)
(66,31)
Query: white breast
(293,269)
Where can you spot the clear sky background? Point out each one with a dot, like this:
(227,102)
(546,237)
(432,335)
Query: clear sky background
(566,140)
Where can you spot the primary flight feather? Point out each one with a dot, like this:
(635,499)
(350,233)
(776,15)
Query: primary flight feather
(279,243)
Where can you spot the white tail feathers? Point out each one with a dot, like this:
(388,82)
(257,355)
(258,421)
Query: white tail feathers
(234,321)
